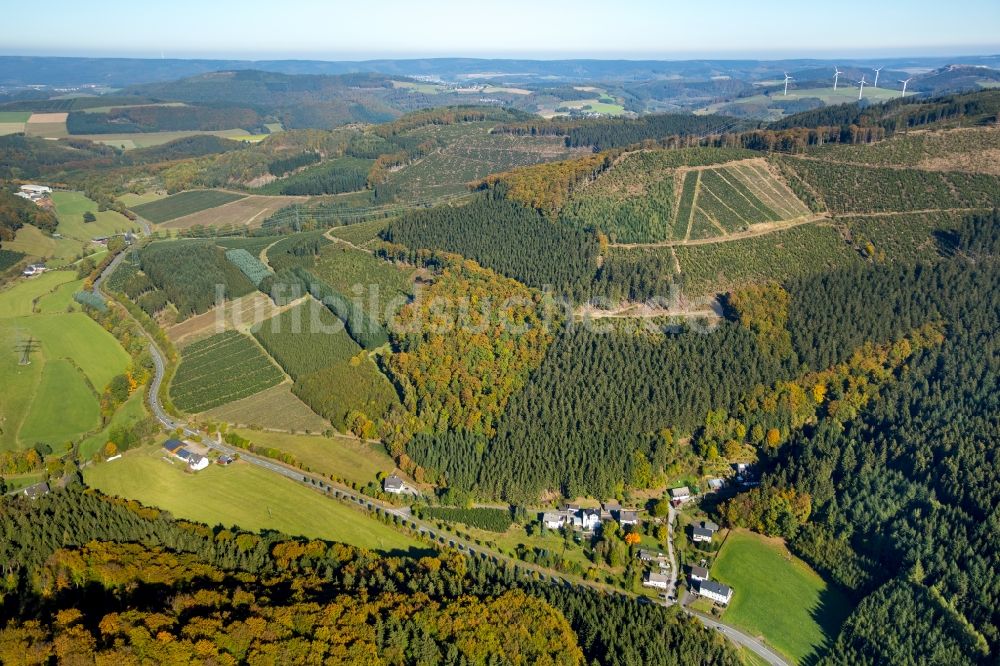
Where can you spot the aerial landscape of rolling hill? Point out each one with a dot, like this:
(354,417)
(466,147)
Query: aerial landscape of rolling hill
(481,342)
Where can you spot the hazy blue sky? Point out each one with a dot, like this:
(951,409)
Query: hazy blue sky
(538,28)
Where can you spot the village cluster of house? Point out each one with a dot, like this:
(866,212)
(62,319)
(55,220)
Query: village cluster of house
(195,461)
(586,520)
(34,193)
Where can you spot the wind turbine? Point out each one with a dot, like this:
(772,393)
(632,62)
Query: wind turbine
(787,79)
(877,70)
(862,82)
(836,76)
(905,84)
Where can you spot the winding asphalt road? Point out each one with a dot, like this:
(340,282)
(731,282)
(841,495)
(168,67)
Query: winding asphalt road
(370,504)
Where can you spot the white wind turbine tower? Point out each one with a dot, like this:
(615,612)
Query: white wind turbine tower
(836,76)
(905,83)
(877,70)
(862,82)
(787,79)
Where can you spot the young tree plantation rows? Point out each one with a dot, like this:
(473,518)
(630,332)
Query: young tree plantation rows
(855,189)
(506,236)
(249,265)
(332,373)
(493,520)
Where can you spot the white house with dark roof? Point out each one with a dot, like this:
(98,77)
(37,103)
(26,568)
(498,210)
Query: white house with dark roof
(701,535)
(197,462)
(715,591)
(396,486)
(657,580)
(698,574)
(627,517)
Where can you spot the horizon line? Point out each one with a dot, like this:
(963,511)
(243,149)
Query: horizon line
(533,57)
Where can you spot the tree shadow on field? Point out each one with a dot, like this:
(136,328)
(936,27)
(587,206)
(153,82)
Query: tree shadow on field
(829,613)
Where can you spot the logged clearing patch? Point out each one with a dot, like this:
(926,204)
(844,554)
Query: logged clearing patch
(185,203)
(238,314)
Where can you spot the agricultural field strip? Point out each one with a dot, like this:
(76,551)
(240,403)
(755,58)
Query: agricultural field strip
(703,217)
(750,179)
(222,363)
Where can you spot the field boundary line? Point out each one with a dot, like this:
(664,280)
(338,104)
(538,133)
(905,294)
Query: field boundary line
(768,228)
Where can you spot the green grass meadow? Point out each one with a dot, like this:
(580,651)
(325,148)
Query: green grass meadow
(64,406)
(52,399)
(777,595)
(240,494)
(70,207)
(343,457)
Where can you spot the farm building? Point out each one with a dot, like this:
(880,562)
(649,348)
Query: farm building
(657,580)
(34,192)
(682,494)
(553,520)
(717,592)
(715,484)
(395,485)
(172,446)
(37,490)
(626,517)
(34,269)
(195,462)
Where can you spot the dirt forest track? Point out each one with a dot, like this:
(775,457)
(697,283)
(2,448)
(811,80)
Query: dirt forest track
(761,229)
(765,228)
